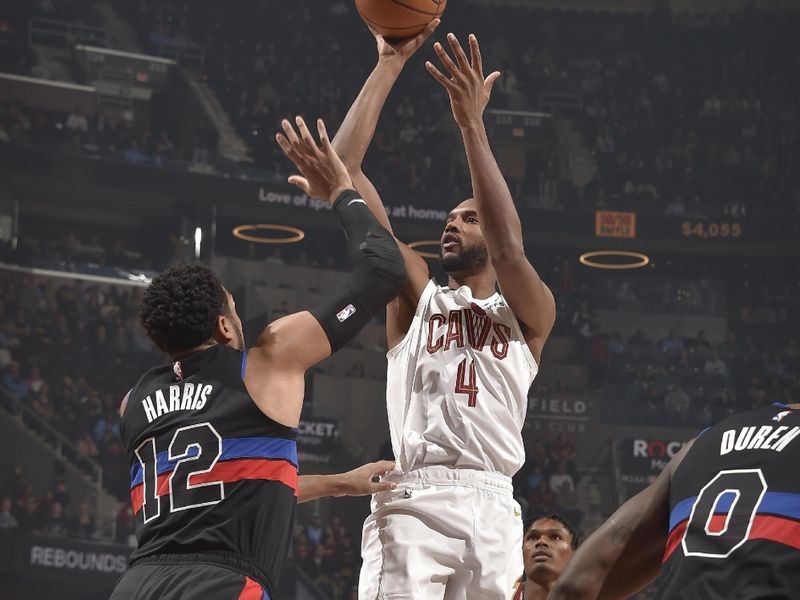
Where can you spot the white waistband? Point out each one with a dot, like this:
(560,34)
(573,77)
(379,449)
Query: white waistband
(443,475)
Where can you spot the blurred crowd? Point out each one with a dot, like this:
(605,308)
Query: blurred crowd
(693,380)
(67,351)
(96,135)
(52,512)
(329,554)
(678,113)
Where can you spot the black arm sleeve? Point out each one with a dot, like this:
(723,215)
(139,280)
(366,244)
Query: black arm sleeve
(378,275)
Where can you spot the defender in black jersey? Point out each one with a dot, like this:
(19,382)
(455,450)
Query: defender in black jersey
(722,521)
(211,436)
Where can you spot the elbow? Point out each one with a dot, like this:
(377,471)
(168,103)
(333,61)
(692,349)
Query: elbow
(386,264)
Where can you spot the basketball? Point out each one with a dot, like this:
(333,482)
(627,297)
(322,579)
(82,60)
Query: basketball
(395,19)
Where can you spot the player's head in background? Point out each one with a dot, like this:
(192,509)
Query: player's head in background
(186,308)
(548,543)
(463,249)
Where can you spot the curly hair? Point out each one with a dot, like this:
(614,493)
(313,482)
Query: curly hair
(576,537)
(181,305)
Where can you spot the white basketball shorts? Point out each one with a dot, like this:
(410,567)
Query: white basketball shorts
(442,534)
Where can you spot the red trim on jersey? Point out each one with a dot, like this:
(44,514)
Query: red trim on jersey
(229,471)
(250,591)
(776,529)
(765,527)
(674,540)
(519,589)
(717,523)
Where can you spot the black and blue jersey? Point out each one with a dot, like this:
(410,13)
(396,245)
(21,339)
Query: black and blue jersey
(735,511)
(212,478)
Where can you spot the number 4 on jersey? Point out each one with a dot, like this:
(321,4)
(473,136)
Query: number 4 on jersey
(467,386)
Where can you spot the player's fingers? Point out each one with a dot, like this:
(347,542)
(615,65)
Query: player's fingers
(423,35)
(291,151)
(300,182)
(461,58)
(291,134)
(383,486)
(305,134)
(286,146)
(489,82)
(447,61)
(437,75)
(382,467)
(475,51)
(324,140)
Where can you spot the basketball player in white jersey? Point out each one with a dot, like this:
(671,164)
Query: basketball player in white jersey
(461,360)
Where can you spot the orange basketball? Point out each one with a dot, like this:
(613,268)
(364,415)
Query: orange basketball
(399,18)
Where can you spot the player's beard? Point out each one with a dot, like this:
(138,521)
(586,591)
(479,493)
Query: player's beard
(468,260)
(240,338)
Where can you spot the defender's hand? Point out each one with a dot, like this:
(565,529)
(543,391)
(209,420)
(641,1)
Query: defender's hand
(399,51)
(359,482)
(469,91)
(322,173)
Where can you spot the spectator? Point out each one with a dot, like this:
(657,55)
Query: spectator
(314,531)
(13,382)
(7,518)
(715,367)
(77,122)
(83,524)
(677,403)
(542,500)
(561,482)
(54,524)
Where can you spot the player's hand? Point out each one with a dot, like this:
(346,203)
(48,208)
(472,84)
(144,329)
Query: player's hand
(322,173)
(469,91)
(399,51)
(362,481)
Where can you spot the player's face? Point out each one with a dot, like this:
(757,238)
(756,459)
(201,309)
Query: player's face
(546,548)
(233,324)
(463,249)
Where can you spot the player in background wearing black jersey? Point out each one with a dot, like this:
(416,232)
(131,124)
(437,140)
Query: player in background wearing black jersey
(721,522)
(548,544)
(211,437)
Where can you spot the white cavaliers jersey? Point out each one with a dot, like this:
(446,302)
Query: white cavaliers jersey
(457,384)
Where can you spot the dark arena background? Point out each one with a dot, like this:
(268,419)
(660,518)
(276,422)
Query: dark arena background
(652,150)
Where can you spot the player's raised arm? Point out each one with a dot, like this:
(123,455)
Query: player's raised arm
(351,143)
(358,482)
(624,554)
(355,134)
(292,344)
(528,296)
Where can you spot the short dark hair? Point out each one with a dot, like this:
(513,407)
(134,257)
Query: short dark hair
(573,532)
(181,305)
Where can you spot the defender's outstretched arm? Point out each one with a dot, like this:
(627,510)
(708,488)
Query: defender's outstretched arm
(529,298)
(358,482)
(276,366)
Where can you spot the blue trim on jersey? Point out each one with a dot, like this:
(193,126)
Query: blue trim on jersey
(232,449)
(681,512)
(244,363)
(783,504)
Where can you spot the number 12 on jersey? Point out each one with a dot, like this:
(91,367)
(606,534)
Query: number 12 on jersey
(467,385)
(193,450)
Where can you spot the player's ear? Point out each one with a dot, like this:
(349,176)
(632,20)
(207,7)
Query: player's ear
(224,331)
